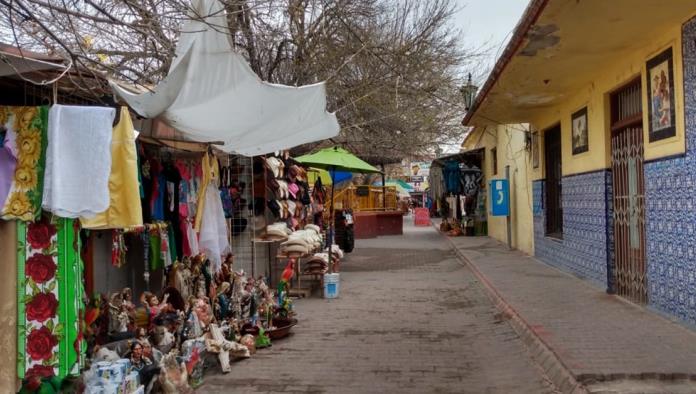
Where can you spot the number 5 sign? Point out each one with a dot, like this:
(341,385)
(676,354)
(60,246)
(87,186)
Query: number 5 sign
(500,197)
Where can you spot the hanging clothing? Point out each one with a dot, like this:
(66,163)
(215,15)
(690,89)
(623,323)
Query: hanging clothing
(185,243)
(171,204)
(145,173)
(145,237)
(8,164)
(213,235)
(184,188)
(172,233)
(159,190)
(124,188)
(452,202)
(195,188)
(165,247)
(470,178)
(452,177)
(118,249)
(210,174)
(213,240)
(437,183)
(78,160)
(192,239)
(155,250)
(22,161)
(227,203)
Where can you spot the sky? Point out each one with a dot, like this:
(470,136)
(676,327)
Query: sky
(488,23)
(485,24)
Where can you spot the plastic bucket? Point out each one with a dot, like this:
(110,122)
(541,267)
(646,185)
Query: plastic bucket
(331,285)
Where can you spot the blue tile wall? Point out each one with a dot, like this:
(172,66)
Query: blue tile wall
(670,194)
(584,249)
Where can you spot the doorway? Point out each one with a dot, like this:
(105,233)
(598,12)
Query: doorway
(553,167)
(630,268)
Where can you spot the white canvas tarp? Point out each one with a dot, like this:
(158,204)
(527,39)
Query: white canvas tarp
(212,94)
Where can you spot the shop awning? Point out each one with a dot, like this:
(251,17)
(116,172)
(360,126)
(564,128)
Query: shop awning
(463,156)
(14,61)
(558,48)
(212,94)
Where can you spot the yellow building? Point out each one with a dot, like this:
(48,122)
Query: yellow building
(507,145)
(609,91)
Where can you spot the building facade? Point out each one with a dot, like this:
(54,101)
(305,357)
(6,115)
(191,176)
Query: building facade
(507,146)
(609,91)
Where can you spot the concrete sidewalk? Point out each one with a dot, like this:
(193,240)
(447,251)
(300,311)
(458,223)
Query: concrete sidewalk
(583,338)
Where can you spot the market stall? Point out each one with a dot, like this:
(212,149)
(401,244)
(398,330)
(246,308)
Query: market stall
(162,288)
(457,190)
(132,250)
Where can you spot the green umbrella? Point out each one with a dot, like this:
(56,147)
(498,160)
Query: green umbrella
(335,159)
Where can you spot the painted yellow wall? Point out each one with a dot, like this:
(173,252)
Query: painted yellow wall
(619,70)
(510,143)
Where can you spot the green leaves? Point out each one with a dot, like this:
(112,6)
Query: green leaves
(52,250)
(51,362)
(34,288)
(58,330)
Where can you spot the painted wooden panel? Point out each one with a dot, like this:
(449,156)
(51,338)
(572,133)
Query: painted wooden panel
(49,295)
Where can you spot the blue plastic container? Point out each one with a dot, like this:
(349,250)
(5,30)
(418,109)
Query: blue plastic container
(331,285)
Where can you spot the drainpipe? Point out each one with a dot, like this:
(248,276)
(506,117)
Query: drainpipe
(509,215)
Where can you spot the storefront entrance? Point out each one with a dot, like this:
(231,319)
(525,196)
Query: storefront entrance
(629,193)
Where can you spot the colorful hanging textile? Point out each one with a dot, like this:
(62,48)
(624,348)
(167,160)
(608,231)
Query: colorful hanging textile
(22,162)
(145,236)
(192,238)
(213,239)
(50,308)
(124,189)
(78,160)
(8,163)
(118,249)
(210,171)
(173,252)
(165,248)
(156,261)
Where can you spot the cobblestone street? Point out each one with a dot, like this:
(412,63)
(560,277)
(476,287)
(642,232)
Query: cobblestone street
(410,318)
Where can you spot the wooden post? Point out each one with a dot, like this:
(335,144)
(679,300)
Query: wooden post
(332,173)
(384,189)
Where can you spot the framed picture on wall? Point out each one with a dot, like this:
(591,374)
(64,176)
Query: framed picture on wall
(660,88)
(579,131)
(535,149)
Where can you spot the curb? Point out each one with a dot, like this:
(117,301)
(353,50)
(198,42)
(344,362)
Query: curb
(540,351)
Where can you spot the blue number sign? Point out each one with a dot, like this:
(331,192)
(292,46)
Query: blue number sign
(500,197)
